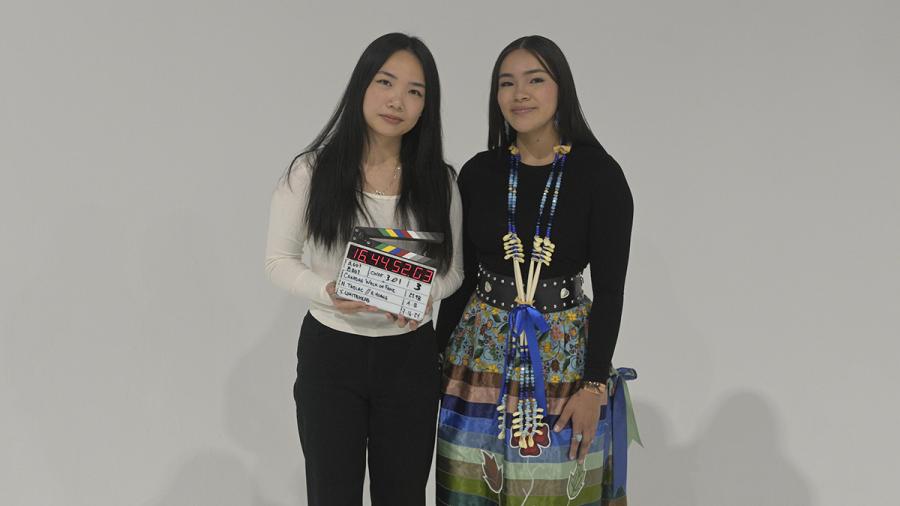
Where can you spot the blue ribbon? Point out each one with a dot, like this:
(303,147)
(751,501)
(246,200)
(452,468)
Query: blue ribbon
(525,318)
(618,428)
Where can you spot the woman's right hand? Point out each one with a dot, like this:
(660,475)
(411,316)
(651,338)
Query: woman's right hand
(347,306)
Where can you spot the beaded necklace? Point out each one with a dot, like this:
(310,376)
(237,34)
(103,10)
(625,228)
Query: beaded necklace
(528,432)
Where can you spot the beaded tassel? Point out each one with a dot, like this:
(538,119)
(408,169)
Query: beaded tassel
(501,418)
(508,378)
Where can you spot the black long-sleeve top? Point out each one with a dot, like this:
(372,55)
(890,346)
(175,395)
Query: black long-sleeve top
(592,226)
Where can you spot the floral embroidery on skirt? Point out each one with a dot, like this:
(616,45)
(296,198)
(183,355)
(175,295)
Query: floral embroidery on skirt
(474,467)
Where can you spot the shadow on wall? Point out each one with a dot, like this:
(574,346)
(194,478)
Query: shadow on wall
(260,419)
(659,472)
(736,460)
(213,478)
(260,414)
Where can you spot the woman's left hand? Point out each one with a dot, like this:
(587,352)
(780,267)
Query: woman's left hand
(402,321)
(583,409)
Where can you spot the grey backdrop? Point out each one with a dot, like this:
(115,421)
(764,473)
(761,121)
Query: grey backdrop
(145,360)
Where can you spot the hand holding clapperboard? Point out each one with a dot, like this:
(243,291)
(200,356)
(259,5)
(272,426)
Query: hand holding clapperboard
(385,276)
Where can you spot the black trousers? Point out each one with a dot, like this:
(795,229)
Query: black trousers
(356,393)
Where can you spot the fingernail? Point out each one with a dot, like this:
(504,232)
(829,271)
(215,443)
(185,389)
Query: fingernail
(556,428)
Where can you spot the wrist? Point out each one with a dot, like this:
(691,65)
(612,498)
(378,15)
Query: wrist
(594,387)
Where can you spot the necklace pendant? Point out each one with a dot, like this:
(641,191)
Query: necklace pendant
(512,248)
(547,252)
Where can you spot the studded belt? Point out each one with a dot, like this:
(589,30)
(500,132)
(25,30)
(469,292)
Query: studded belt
(551,295)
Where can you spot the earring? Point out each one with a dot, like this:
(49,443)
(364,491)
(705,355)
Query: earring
(506,128)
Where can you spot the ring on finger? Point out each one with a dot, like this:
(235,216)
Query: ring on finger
(578,437)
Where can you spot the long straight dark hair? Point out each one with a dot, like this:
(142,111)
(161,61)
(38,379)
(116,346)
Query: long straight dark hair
(572,126)
(335,193)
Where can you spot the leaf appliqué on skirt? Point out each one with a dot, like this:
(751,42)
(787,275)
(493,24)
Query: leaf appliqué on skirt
(491,472)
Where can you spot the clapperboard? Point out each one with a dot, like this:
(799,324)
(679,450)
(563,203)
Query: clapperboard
(386,276)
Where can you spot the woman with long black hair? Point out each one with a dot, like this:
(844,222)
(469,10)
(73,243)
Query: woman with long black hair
(367,381)
(533,412)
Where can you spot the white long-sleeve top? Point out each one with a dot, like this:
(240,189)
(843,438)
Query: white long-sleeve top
(288,241)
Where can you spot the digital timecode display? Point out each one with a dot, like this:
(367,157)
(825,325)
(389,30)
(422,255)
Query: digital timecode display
(390,264)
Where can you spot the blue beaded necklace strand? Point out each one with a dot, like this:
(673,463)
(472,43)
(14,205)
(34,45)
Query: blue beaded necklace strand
(527,428)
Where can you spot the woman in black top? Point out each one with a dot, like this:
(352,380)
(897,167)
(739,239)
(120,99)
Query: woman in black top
(527,374)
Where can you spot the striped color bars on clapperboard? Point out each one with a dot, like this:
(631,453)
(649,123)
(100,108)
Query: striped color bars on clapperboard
(369,236)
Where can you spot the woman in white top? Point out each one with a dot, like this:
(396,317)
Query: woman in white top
(368,381)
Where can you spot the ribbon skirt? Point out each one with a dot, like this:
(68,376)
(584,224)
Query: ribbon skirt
(476,468)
